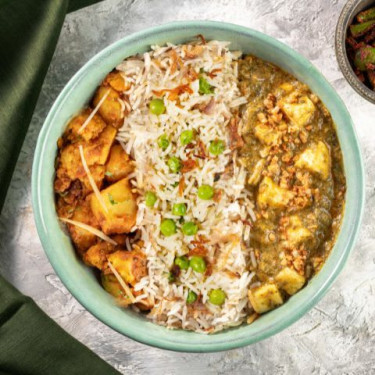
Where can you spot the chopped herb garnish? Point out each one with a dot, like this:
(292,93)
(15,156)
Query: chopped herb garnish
(111,200)
(204,86)
(109,174)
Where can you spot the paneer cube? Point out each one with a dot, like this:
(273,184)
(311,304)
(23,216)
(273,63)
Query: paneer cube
(117,81)
(272,195)
(92,129)
(121,208)
(119,164)
(316,159)
(97,172)
(131,265)
(111,109)
(295,232)
(265,298)
(267,135)
(97,150)
(96,256)
(299,113)
(82,238)
(290,280)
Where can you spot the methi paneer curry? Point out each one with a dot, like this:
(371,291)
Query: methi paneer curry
(294,159)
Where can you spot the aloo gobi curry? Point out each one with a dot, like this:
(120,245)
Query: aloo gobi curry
(204,186)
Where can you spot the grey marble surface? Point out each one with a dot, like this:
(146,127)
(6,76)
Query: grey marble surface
(338,335)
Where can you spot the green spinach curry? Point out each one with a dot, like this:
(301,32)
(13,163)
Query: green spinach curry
(293,157)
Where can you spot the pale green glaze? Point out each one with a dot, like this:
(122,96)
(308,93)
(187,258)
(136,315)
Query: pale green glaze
(80,280)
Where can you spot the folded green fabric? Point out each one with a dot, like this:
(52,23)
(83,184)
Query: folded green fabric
(29,30)
(30,342)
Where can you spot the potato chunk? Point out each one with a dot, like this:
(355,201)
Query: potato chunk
(119,164)
(316,159)
(111,108)
(81,238)
(96,256)
(272,195)
(92,129)
(265,298)
(299,113)
(131,265)
(111,285)
(267,135)
(117,81)
(97,150)
(295,232)
(290,280)
(121,206)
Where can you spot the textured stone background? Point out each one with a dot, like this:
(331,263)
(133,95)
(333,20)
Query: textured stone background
(338,335)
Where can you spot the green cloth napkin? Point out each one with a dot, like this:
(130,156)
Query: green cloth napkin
(30,342)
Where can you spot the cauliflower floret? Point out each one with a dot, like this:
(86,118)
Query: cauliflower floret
(96,256)
(92,129)
(316,159)
(117,81)
(82,238)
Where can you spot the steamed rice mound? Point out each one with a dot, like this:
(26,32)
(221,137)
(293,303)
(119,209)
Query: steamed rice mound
(175,73)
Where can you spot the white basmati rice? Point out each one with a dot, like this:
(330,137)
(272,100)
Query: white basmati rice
(223,221)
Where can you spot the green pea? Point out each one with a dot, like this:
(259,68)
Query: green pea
(198,264)
(182,262)
(174,164)
(204,86)
(216,147)
(205,192)
(189,228)
(191,297)
(216,297)
(150,199)
(157,106)
(179,209)
(163,142)
(186,137)
(167,227)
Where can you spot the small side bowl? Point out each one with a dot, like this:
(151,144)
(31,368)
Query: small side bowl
(81,281)
(350,10)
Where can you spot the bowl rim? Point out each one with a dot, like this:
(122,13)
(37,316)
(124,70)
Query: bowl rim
(346,14)
(193,342)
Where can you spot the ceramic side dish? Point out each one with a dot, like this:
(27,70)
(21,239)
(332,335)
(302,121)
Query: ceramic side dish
(81,281)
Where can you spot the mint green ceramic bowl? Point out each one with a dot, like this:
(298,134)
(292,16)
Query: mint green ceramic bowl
(81,281)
